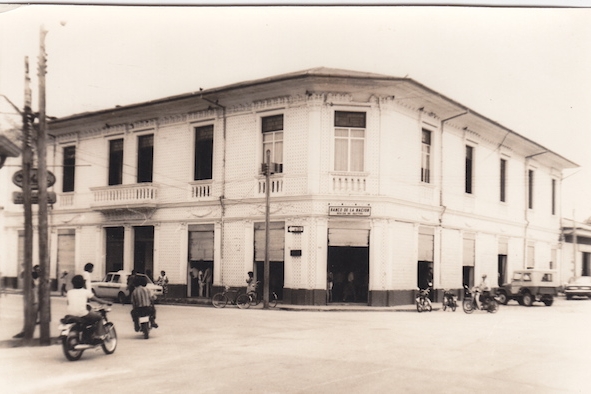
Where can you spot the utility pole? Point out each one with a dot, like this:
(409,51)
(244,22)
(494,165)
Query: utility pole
(44,300)
(266,268)
(30,311)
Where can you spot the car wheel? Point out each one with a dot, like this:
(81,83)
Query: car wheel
(548,301)
(569,297)
(528,299)
(502,297)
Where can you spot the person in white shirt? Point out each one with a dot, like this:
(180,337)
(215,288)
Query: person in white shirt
(88,268)
(77,299)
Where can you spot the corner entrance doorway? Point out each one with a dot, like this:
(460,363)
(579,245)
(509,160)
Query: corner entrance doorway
(348,265)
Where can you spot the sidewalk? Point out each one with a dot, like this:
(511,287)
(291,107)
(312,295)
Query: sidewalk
(336,307)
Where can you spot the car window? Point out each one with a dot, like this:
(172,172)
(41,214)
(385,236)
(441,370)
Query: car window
(527,277)
(517,276)
(117,278)
(108,278)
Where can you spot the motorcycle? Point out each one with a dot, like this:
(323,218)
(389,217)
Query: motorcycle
(77,335)
(490,303)
(450,300)
(145,321)
(423,302)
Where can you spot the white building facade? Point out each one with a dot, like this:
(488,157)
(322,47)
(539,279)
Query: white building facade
(379,183)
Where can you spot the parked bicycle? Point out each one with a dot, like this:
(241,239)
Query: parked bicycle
(254,299)
(235,297)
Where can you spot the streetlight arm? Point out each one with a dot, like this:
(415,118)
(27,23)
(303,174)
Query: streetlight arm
(12,104)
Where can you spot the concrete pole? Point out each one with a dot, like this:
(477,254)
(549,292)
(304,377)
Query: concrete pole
(266,269)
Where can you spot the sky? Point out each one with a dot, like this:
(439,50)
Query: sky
(526,68)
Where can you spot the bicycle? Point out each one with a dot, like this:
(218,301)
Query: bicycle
(254,299)
(220,300)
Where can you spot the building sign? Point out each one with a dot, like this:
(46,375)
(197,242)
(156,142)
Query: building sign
(18,197)
(18,180)
(343,210)
(295,229)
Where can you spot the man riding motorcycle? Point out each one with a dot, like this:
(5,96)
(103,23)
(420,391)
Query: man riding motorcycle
(481,292)
(143,303)
(77,301)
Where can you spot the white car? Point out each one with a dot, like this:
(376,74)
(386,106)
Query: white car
(114,285)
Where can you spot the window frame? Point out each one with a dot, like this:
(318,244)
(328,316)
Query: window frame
(145,175)
(68,170)
(350,129)
(274,132)
(203,176)
(469,169)
(503,180)
(119,168)
(426,157)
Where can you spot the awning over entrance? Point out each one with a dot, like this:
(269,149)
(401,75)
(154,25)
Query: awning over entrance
(348,237)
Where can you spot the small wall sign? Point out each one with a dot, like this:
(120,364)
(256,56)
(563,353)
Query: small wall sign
(295,229)
(342,210)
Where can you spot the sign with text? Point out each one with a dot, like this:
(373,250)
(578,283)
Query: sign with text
(18,198)
(343,210)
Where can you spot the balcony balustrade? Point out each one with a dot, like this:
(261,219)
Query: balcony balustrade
(120,196)
(348,183)
(200,190)
(275,186)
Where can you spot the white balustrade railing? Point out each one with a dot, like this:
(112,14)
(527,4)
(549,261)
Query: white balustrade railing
(275,186)
(200,190)
(346,183)
(65,199)
(124,194)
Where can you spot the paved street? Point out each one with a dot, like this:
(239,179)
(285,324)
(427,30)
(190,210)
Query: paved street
(206,350)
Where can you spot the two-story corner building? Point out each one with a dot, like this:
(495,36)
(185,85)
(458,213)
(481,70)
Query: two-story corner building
(380,185)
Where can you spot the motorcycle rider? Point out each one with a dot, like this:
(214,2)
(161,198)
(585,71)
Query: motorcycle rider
(77,299)
(143,303)
(481,292)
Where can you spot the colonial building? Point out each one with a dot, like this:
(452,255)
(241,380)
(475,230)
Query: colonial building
(379,183)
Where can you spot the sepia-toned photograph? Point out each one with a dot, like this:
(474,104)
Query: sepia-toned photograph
(295,198)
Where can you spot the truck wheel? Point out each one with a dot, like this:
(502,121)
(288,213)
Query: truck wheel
(548,301)
(502,297)
(528,299)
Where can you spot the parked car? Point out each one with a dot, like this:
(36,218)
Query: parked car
(578,287)
(528,286)
(114,285)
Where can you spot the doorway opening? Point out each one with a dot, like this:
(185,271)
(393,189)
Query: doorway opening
(502,269)
(143,250)
(114,249)
(349,266)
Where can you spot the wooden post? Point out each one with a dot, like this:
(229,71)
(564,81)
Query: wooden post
(266,269)
(44,295)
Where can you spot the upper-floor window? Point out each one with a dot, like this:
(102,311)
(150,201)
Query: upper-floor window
(349,144)
(272,129)
(145,158)
(469,168)
(116,162)
(69,169)
(503,178)
(530,189)
(426,157)
(203,152)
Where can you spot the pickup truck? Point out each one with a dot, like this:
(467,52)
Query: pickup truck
(528,286)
